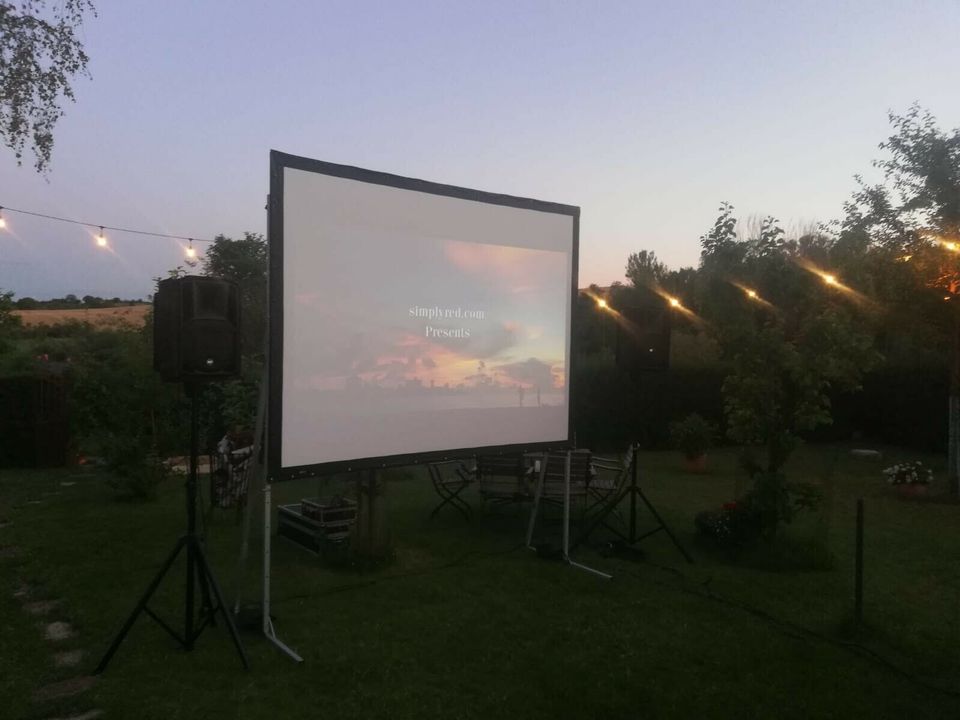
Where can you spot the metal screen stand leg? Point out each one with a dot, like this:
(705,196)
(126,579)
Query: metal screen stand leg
(268,629)
(566,526)
(255,483)
(536,503)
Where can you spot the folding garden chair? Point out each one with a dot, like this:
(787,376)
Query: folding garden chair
(450,478)
(504,478)
(228,478)
(610,475)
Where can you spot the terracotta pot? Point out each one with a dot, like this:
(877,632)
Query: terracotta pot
(695,465)
(910,491)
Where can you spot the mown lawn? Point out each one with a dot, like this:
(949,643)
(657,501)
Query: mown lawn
(464,624)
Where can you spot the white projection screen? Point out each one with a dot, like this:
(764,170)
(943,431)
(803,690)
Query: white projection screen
(413,321)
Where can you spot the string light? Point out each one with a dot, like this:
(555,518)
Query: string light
(3,223)
(101,239)
(132,231)
(191,253)
(674,302)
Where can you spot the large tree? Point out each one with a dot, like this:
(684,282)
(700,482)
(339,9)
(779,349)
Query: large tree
(40,54)
(911,219)
(244,261)
(644,269)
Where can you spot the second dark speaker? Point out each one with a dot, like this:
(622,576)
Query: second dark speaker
(196,329)
(643,338)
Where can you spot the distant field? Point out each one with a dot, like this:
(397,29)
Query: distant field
(126,315)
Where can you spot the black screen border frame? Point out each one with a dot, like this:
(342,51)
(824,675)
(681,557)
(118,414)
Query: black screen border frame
(279,162)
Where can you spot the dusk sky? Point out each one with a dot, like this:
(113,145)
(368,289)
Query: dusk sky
(646,115)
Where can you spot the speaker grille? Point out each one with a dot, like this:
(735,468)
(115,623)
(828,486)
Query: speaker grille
(196,329)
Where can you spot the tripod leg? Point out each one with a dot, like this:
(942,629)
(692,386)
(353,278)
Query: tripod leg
(141,605)
(204,567)
(207,610)
(635,470)
(666,529)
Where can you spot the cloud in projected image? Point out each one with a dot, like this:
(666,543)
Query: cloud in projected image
(374,340)
(531,373)
(514,270)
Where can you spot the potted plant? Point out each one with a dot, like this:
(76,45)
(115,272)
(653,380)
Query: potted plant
(911,479)
(692,436)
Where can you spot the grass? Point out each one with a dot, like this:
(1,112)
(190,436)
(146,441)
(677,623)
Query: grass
(463,624)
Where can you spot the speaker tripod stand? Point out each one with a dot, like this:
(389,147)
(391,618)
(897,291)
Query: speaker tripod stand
(627,541)
(199,572)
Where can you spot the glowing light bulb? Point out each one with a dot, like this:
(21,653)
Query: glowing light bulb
(674,302)
(101,239)
(830,279)
(602,304)
(3,223)
(191,253)
(752,294)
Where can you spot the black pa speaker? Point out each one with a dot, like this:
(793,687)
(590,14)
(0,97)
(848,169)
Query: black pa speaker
(643,338)
(196,329)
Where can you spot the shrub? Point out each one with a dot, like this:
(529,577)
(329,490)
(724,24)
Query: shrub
(692,436)
(735,525)
(136,470)
(758,515)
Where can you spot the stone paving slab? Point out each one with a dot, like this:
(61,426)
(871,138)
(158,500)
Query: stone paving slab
(64,688)
(42,607)
(88,715)
(68,658)
(57,631)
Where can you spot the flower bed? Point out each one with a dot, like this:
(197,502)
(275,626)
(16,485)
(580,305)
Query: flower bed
(908,473)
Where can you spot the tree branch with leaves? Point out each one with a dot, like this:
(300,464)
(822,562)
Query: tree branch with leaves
(40,54)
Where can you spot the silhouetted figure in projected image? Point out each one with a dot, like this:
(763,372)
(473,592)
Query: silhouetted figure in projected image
(520,394)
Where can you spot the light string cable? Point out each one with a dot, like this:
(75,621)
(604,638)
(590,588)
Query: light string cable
(101,238)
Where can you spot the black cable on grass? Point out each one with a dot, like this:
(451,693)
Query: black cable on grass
(791,629)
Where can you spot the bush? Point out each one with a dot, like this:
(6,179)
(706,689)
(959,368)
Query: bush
(735,525)
(136,470)
(692,436)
